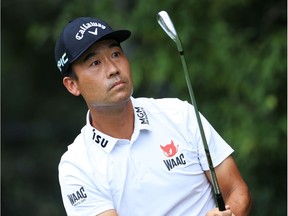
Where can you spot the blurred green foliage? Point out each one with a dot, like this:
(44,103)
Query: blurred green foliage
(237,58)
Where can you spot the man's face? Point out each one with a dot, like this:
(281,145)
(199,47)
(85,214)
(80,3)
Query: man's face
(104,77)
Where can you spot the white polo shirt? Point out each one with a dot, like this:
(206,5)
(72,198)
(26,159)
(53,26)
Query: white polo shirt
(159,172)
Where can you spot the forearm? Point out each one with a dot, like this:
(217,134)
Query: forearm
(233,188)
(240,201)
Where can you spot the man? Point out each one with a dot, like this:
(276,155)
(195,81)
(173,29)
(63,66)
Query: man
(135,156)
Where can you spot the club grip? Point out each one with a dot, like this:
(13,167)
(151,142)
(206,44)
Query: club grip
(220,202)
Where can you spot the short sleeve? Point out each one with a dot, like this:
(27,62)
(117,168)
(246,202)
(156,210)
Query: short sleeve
(82,192)
(218,148)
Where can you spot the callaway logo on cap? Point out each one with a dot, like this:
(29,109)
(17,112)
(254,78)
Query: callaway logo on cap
(78,35)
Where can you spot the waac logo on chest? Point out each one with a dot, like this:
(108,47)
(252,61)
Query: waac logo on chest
(170,151)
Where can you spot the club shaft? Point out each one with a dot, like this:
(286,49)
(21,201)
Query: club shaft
(167,25)
(217,193)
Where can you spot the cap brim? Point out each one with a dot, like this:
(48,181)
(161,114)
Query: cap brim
(118,35)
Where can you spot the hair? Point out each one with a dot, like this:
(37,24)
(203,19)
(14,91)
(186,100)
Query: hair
(70,73)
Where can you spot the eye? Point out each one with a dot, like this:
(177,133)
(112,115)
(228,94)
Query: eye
(116,54)
(95,63)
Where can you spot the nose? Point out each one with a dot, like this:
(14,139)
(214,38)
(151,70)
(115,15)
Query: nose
(112,68)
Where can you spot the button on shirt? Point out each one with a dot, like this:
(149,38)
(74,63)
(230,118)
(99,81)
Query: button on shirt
(159,171)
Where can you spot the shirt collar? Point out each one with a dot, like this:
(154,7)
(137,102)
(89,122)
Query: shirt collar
(96,137)
(106,142)
(141,116)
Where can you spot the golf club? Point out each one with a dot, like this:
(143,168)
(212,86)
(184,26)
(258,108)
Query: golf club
(167,25)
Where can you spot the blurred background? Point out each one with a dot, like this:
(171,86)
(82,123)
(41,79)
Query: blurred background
(237,58)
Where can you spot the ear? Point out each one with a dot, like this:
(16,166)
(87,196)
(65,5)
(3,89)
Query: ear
(71,85)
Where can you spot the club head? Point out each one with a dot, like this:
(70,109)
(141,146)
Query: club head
(167,25)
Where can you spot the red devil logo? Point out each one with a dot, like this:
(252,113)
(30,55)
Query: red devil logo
(170,149)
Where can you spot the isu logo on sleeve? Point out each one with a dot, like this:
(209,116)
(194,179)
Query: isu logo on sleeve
(77,197)
(170,151)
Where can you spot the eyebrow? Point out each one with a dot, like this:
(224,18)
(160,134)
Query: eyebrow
(93,53)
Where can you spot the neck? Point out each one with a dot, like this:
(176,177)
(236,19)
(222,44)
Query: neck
(115,122)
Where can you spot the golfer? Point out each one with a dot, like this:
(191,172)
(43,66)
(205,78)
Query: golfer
(135,156)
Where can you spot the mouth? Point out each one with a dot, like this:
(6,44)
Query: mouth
(117,83)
